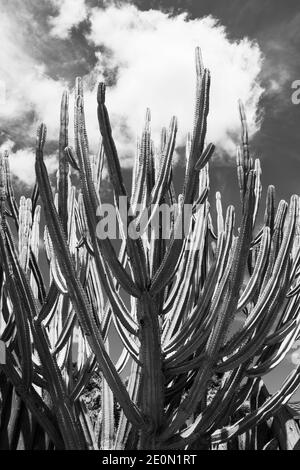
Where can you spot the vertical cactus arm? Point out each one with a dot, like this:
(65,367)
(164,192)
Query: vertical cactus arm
(151,175)
(140,189)
(257,190)
(235,397)
(280,333)
(216,408)
(245,139)
(55,270)
(176,315)
(229,302)
(71,203)
(269,217)
(152,381)
(211,228)
(10,191)
(229,228)
(109,145)
(25,226)
(66,332)
(35,196)
(38,277)
(124,281)
(91,202)
(263,367)
(294,274)
(268,409)
(276,239)
(185,349)
(124,317)
(23,295)
(122,361)
(12,420)
(7,332)
(128,342)
(237,272)
(135,247)
(188,148)
(71,158)
(94,282)
(118,307)
(255,344)
(34,254)
(124,426)
(49,303)
(86,424)
(63,163)
(97,162)
(205,157)
(70,428)
(258,270)
(172,294)
(240,173)
(162,180)
(271,295)
(194,257)
(201,113)
(166,270)
(76,292)
(23,316)
(3,193)
(194,321)
(201,199)
(34,403)
(288,236)
(58,277)
(194,343)
(107,251)
(108,422)
(220,219)
(21,319)
(172,194)
(135,170)
(294,290)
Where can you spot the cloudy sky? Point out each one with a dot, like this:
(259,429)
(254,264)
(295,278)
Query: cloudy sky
(144,50)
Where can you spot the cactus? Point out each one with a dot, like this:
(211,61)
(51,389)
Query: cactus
(172,302)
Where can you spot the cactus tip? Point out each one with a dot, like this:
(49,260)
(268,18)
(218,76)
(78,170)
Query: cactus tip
(41,136)
(101,93)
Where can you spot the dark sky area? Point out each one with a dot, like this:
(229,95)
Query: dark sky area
(274,25)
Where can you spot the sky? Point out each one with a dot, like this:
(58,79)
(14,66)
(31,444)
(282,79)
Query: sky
(144,51)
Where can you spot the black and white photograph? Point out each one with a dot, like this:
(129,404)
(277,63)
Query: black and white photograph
(149,228)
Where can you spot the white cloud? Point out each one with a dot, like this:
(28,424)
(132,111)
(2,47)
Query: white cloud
(154,54)
(70,14)
(27,86)
(154,57)
(22,162)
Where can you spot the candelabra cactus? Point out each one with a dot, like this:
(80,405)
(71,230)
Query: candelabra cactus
(184,293)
